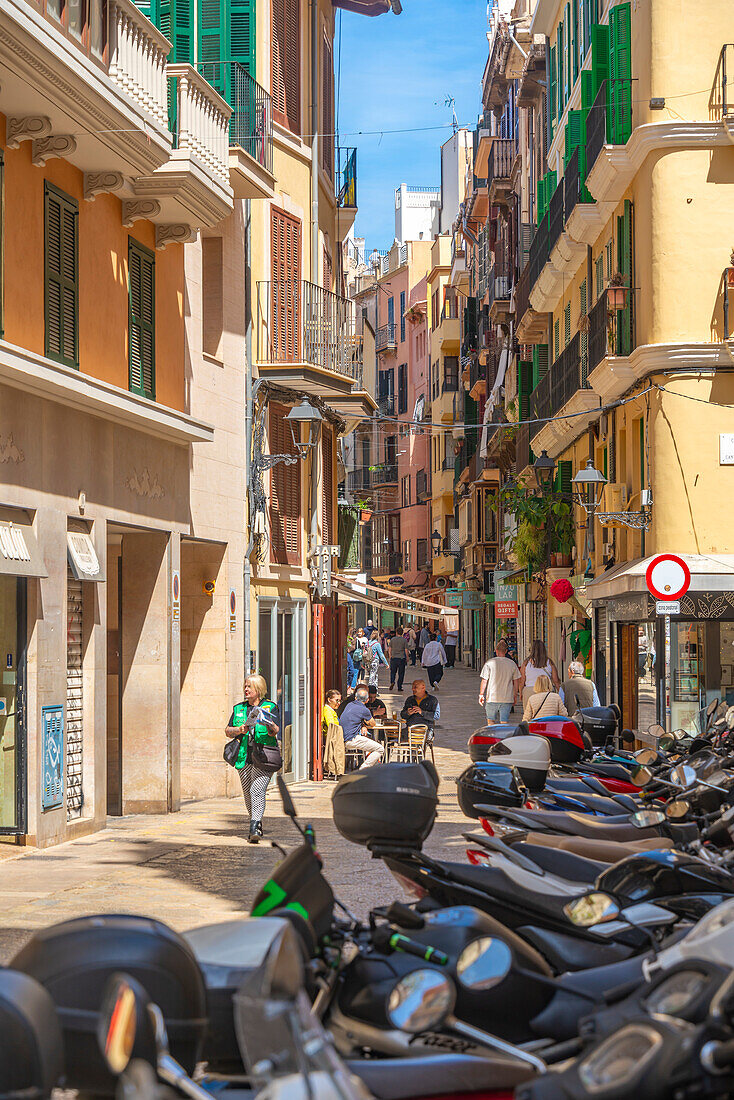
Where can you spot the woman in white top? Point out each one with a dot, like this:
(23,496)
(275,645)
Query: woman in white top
(544,702)
(537,664)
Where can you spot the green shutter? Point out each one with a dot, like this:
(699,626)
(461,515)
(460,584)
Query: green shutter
(568,35)
(141,323)
(553,84)
(567,325)
(559,60)
(524,387)
(576,40)
(176,19)
(540,363)
(550,185)
(564,473)
(556,339)
(587,89)
(62,276)
(620,71)
(599,56)
(212,31)
(624,259)
(575,134)
(243,34)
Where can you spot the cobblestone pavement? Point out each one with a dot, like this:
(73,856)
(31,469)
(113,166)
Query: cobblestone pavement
(194,867)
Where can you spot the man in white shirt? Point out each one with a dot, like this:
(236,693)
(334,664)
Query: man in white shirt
(498,687)
(452,640)
(433,659)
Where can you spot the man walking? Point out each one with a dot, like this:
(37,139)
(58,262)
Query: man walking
(423,639)
(577,692)
(452,640)
(412,640)
(498,687)
(355,718)
(398,652)
(433,660)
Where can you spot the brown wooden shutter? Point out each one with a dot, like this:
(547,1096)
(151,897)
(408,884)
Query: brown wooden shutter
(285,57)
(327,108)
(62,276)
(285,494)
(285,297)
(327,269)
(327,485)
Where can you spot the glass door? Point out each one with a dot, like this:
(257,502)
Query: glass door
(284,696)
(282,660)
(12,727)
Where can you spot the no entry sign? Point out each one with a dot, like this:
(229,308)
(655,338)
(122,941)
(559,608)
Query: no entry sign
(668,577)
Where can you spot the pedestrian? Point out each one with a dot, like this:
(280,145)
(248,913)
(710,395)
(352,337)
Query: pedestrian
(452,641)
(355,720)
(352,672)
(544,702)
(398,653)
(376,657)
(420,707)
(260,717)
(577,692)
(358,656)
(433,660)
(537,664)
(423,639)
(499,685)
(412,643)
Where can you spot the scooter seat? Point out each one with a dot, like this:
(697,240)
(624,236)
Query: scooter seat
(560,1018)
(439,1075)
(602,851)
(573,824)
(567,865)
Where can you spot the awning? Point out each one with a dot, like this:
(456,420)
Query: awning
(20,554)
(708,574)
(401,602)
(82,556)
(364,7)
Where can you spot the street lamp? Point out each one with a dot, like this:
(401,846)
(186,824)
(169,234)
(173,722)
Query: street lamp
(305,421)
(589,484)
(436,543)
(544,468)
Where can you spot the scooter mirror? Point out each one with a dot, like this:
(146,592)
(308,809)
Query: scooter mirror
(711,708)
(667,742)
(646,756)
(591,909)
(420,1001)
(643,819)
(683,776)
(484,963)
(123,1023)
(640,776)
(628,737)
(677,809)
(656,730)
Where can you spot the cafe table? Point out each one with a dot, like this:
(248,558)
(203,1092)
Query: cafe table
(387,731)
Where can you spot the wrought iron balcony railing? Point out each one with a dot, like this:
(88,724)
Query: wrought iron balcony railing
(564,378)
(386,474)
(346,177)
(385,338)
(721,100)
(609,120)
(611,331)
(251,123)
(303,323)
(555,215)
(386,404)
(539,251)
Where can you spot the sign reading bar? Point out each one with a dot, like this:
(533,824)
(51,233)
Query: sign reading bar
(505,609)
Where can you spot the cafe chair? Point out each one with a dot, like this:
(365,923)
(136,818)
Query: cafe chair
(411,745)
(354,757)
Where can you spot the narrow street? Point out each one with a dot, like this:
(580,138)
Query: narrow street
(194,866)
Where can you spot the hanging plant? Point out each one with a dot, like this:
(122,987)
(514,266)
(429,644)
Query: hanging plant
(528,546)
(561,590)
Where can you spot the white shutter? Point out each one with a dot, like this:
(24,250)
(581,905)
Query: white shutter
(74,697)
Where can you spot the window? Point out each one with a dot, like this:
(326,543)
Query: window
(285,494)
(327,486)
(567,325)
(402,314)
(422,553)
(556,338)
(451,373)
(406,492)
(406,556)
(610,258)
(386,392)
(403,388)
(212,324)
(599,275)
(327,108)
(286,63)
(285,288)
(62,276)
(391,315)
(327,269)
(141,322)
(84,21)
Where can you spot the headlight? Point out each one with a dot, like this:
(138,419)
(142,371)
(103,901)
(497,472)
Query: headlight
(676,992)
(620,1058)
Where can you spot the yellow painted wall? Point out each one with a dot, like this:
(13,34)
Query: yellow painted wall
(103,285)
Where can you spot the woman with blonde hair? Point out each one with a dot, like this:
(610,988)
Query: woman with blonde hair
(256,721)
(537,664)
(544,702)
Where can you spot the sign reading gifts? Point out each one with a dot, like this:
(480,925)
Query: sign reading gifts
(505,609)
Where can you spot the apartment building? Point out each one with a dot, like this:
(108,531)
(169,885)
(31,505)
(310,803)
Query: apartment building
(98,196)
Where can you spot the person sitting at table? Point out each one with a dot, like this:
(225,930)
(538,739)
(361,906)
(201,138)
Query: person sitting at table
(420,707)
(375,705)
(329,713)
(334,761)
(355,720)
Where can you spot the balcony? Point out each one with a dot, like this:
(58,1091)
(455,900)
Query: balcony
(483,140)
(386,404)
(539,251)
(499,174)
(346,190)
(556,220)
(611,342)
(385,339)
(498,295)
(565,389)
(477,379)
(386,564)
(306,335)
(449,463)
(250,128)
(358,481)
(383,475)
(523,455)
(422,485)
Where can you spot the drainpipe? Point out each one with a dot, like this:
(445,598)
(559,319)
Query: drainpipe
(314,141)
(249,409)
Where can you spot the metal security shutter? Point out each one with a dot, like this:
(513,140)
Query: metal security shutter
(74,697)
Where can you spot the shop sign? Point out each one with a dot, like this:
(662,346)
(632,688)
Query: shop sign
(176,596)
(505,609)
(473,601)
(232,610)
(667,607)
(454,597)
(52,719)
(396,581)
(726,449)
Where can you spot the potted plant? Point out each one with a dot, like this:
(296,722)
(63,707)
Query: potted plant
(617,291)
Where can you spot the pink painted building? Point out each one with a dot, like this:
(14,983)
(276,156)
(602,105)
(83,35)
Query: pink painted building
(414,471)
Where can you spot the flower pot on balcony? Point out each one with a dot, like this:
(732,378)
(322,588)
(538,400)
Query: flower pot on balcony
(365,516)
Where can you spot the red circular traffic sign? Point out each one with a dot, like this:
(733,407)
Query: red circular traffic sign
(668,577)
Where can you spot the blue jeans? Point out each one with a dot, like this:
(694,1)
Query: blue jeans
(352,672)
(497,712)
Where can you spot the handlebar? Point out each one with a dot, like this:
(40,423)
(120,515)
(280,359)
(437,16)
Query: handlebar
(388,940)
(717,1057)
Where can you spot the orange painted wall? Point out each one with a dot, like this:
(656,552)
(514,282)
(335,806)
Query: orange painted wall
(103,294)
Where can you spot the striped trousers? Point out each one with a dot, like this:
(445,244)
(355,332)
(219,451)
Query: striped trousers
(254,785)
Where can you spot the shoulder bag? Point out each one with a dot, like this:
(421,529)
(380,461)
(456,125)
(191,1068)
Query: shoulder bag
(232,750)
(268,758)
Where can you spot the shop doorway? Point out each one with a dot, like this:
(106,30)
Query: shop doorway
(627,649)
(282,660)
(12,705)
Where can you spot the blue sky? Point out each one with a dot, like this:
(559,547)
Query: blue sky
(396,72)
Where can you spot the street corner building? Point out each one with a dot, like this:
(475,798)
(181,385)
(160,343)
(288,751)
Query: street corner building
(169,241)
